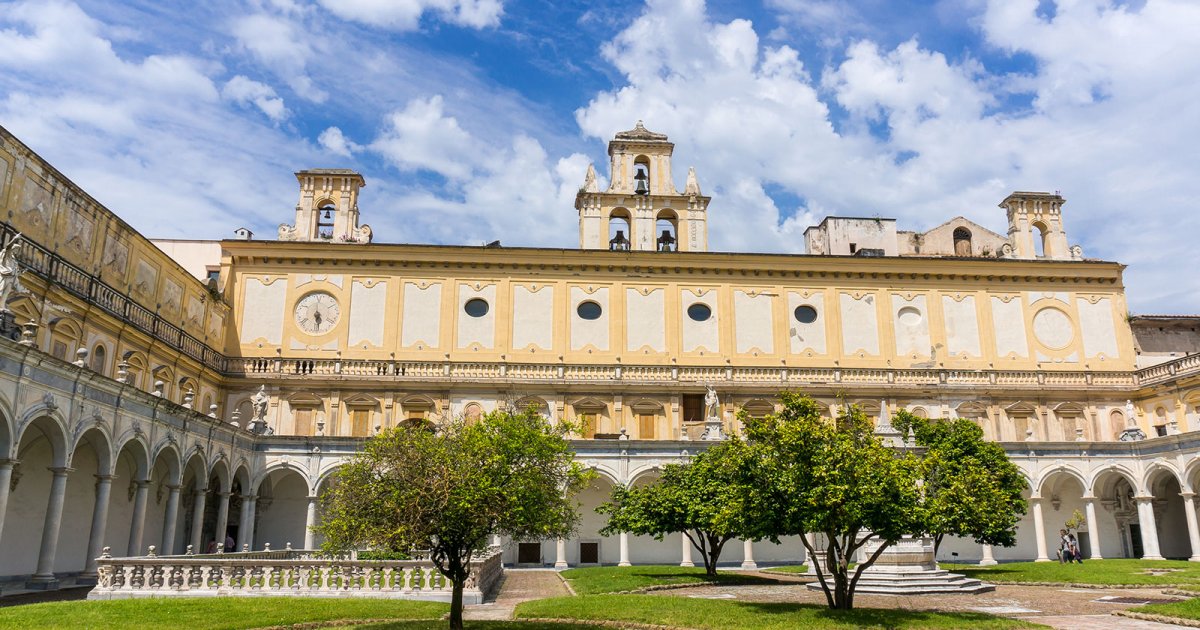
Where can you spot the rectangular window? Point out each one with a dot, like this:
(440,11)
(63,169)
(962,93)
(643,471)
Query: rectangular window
(693,408)
(646,426)
(360,422)
(587,427)
(303,420)
(59,350)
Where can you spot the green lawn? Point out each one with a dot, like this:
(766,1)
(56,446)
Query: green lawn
(789,568)
(476,625)
(1186,609)
(210,613)
(736,615)
(1119,571)
(597,580)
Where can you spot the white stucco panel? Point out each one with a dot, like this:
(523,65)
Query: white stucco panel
(645,325)
(422,314)
(910,320)
(699,336)
(533,316)
(368,311)
(860,324)
(1098,328)
(962,326)
(1008,320)
(752,322)
(811,336)
(593,332)
(262,315)
(480,330)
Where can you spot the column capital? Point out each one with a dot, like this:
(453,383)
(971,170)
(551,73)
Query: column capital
(173,487)
(1144,498)
(60,471)
(313,497)
(224,494)
(1037,498)
(1187,495)
(141,483)
(8,463)
(104,478)
(1090,497)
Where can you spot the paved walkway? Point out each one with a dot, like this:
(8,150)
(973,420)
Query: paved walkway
(1058,607)
(519,585)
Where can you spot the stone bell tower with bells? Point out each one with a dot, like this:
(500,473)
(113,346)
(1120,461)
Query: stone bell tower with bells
(642,210)
(328,208)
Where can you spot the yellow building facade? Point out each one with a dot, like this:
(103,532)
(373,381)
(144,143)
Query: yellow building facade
(246,370)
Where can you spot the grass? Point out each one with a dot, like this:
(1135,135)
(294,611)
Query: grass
(737,615)
(476,625)
(599,580)
(1186,609)
(1117,571)
(789,568)
(210,613)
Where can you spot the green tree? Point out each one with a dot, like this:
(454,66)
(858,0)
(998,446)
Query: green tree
(449,491)
(969,487)
(810,475)
(704,499)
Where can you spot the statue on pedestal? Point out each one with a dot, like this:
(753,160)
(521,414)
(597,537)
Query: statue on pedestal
(10,282)
(712,416)
(259,402)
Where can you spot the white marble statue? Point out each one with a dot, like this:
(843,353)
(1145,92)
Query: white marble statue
(10,270)
(712,404)
(260,400)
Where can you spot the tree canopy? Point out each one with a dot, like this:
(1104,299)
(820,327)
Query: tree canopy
(811,475)
(448,491)
(969,487)
(704,499)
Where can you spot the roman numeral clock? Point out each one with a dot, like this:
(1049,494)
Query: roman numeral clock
(317,313)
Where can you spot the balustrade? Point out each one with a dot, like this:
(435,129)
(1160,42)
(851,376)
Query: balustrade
(290,572)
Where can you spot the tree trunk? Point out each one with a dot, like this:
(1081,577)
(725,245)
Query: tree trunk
(456,605)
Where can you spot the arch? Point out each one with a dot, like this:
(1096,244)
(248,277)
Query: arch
(168,453)
(666,231)
(1049,475)
(241,476)
(472,412)
(327,475)
(98,438)
(760,407)
(135,364)
(6,431)
(46,424)
(1041,239)
(275,467)
(641,474)
(604,473)
(1154,473)
(98,361)
(220,471)
(1103,480)
(139,454)
(539,404)
(620,229)
(962,241)
(281,513)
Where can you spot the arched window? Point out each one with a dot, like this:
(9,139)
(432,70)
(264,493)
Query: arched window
(325,214)
(641,175)
(667,229)
(962,242)
(472,413)
(1040,242)
(620,234)
(99,360)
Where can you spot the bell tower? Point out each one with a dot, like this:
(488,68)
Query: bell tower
(642,210)
(328,208)
(1035,227)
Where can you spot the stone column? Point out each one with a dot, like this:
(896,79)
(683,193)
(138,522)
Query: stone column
(310,521)
(169,521)
(198,506)
(624,550)
(988,559)
(44,576)
(222,518)
(1039,530)
(6,467)
(748,556)
(1089,507)
(497,541)
(138,524)
(1149,528)
(1189,511)
(250,521)
(243,537)
(560,553)
(686,553)
(99,522)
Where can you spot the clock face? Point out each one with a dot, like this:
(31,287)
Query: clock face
(317,313)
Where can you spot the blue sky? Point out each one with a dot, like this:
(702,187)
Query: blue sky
(474,120)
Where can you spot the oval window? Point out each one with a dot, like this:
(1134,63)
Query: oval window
(476,307)
(805,314)
(699,312)
(589,310)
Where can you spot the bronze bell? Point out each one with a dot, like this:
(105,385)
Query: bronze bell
(640,187)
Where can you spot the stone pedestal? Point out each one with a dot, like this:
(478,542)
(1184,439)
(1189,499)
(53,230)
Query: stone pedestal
(909,568)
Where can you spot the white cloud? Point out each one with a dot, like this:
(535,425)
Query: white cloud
(405,15)
(281,44)
(242,90)
(422,137)
(336,142)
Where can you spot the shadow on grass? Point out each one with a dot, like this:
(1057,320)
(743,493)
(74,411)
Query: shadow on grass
(877,617)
